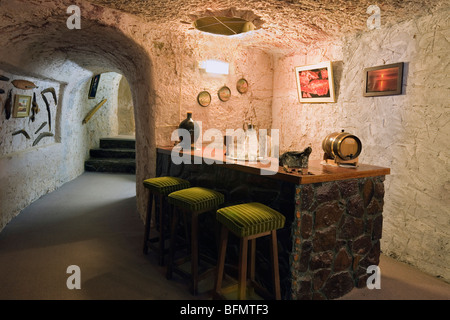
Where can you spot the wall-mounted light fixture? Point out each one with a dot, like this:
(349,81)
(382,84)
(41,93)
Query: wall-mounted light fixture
(215,66)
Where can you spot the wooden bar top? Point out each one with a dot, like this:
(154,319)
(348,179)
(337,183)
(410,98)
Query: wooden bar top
(317,172)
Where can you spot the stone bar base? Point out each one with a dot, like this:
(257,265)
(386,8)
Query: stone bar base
(336,236)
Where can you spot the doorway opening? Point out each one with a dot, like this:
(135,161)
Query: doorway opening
(110,126)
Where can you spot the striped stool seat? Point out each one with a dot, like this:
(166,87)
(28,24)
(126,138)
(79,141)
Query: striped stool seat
(166,185)
(196,199)
(159,188)
(248,219)
(193,202)
(248,222)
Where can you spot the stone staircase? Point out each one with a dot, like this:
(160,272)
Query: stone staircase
(116,154)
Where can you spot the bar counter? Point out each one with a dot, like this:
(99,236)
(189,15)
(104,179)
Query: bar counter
(333,218)
(316,171)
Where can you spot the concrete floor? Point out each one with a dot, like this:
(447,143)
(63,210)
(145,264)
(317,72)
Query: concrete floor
(92,222)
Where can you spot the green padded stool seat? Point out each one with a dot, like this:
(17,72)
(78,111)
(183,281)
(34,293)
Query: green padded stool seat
(196,199)
(248,222)
(191,201)
(159,188)
(166,185)
(248,219)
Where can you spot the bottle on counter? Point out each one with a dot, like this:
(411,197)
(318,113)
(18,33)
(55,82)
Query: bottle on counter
(192,127)
(252,143)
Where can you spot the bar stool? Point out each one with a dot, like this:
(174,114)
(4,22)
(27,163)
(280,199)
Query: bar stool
(159,188)
(192,201)
(248,222)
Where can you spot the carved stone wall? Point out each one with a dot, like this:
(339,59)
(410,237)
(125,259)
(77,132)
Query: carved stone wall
(405,132)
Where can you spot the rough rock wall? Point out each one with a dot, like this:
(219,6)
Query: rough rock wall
(184,80)
(104,122)
(406,133)
(125,109)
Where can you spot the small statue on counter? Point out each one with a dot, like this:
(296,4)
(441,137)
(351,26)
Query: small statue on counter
(296,160)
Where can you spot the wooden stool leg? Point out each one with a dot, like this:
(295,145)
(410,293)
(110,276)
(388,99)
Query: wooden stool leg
(275,270)
(148,219)
(161,231)
(251,265)
(243,268)
(194,254)
(173,236)
(221,260)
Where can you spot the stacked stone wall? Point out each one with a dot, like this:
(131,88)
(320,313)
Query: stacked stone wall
(336,236)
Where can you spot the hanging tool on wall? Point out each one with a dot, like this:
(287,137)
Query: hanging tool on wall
(49,114)
(47,104)
(3,78)
(8,105)
(94,110)
(53,92)
(22,131)
(42,135)
(41,127)
(34,108)
(23,84)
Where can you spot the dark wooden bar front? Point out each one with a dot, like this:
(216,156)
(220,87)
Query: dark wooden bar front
(333,218)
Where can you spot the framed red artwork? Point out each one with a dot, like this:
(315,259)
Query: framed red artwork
(315,83)
(383,80)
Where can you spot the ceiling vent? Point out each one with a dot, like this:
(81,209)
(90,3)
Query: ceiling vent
(227,26)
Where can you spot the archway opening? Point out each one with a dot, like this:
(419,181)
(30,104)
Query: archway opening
(69,59)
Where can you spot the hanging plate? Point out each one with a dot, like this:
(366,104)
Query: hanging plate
(242,86)
(204,98)
(224,93)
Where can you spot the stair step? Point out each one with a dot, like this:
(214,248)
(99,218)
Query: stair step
(112,153)
(123,165)
(118,142)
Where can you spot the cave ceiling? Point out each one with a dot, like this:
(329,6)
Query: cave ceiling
(282,24)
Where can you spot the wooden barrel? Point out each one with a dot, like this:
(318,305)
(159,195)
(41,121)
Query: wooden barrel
(342,145)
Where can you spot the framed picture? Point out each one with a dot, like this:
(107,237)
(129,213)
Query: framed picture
(242,86)
(224,93)
(21,106)
(94,85)
(204,98)
(315,83)
(383,80)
